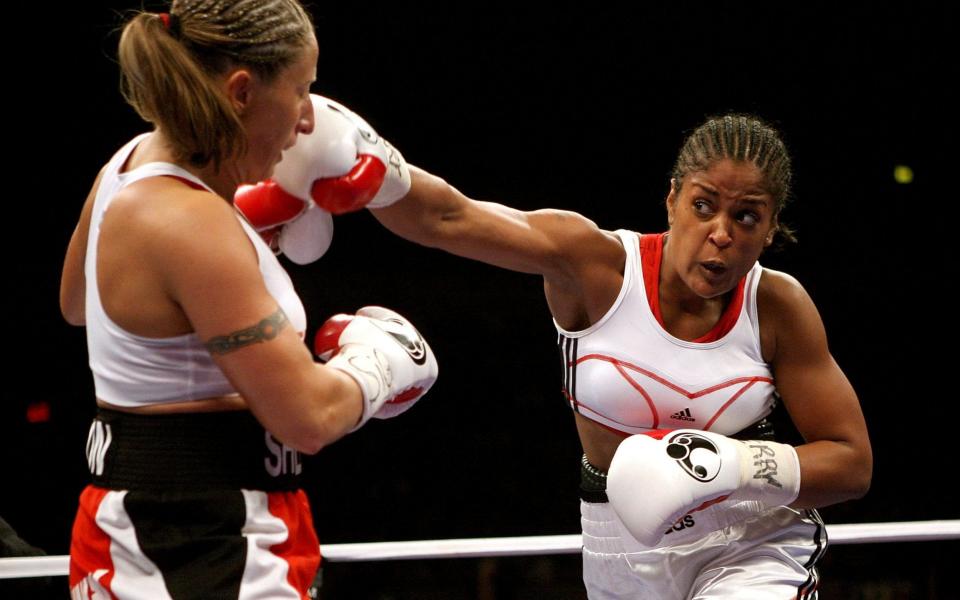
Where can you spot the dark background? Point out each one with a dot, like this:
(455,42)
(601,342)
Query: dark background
(574,107)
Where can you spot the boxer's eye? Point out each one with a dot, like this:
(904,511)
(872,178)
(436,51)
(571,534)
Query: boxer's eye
(702,207)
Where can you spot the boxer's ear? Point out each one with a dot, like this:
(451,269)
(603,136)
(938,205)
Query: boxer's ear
(672,201)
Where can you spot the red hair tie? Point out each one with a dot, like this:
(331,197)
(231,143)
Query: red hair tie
(165,17)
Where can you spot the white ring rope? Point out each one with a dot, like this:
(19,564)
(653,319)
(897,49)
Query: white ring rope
(857,533)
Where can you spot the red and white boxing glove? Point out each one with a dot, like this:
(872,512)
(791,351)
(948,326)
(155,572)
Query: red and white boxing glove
(291,225)
(386,355)
(360,168)
(343,165)
(653,482)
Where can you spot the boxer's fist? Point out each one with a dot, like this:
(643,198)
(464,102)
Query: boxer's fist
(305,239)
(343,165)
(377,175)
(266,204)
(288,223)
(386,355)
(653,482)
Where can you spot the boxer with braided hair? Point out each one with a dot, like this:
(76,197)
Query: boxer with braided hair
(206,393)
(676,347)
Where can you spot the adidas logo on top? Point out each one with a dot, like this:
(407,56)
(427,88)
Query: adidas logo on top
(683,415)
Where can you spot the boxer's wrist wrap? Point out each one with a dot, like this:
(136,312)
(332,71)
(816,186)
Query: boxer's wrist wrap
(188,451)
(769,472)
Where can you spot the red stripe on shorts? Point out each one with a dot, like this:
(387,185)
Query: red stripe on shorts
(90,545)
(300,551)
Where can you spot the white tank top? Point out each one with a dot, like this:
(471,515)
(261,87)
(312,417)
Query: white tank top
(629,374)
(131,370)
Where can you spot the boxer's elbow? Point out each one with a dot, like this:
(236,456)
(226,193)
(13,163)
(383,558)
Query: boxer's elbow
(862,477)
(857,476)
(309,440)
(833,472)
(329,408)
(73,311)
(73,296)
(310,433)
(860,466)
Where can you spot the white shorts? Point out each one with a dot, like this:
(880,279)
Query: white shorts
(770,555)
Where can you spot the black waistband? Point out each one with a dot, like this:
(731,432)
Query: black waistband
(593,481)
(188,451)
(761,430)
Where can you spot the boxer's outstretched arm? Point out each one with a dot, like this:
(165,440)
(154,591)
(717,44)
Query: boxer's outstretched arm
(549,242)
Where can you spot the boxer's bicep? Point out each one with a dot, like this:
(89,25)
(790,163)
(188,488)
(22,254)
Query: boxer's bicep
(210,268)
(837,459)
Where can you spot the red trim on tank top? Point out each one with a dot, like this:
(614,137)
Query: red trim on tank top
(691,395)
(570,399)
(656,434)
(727,404)
(622,366)
(614,429)
(650,403)
(651,255)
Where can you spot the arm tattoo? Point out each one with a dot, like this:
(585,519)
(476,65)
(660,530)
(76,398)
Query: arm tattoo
(264,331)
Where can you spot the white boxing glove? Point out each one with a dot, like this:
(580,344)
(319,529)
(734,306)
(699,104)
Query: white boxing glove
(386,355)
(653,482)
(289,224)
(305,239)
(343,164)
(367,145)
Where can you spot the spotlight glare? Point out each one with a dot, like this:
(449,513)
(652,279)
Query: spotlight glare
(903,174)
